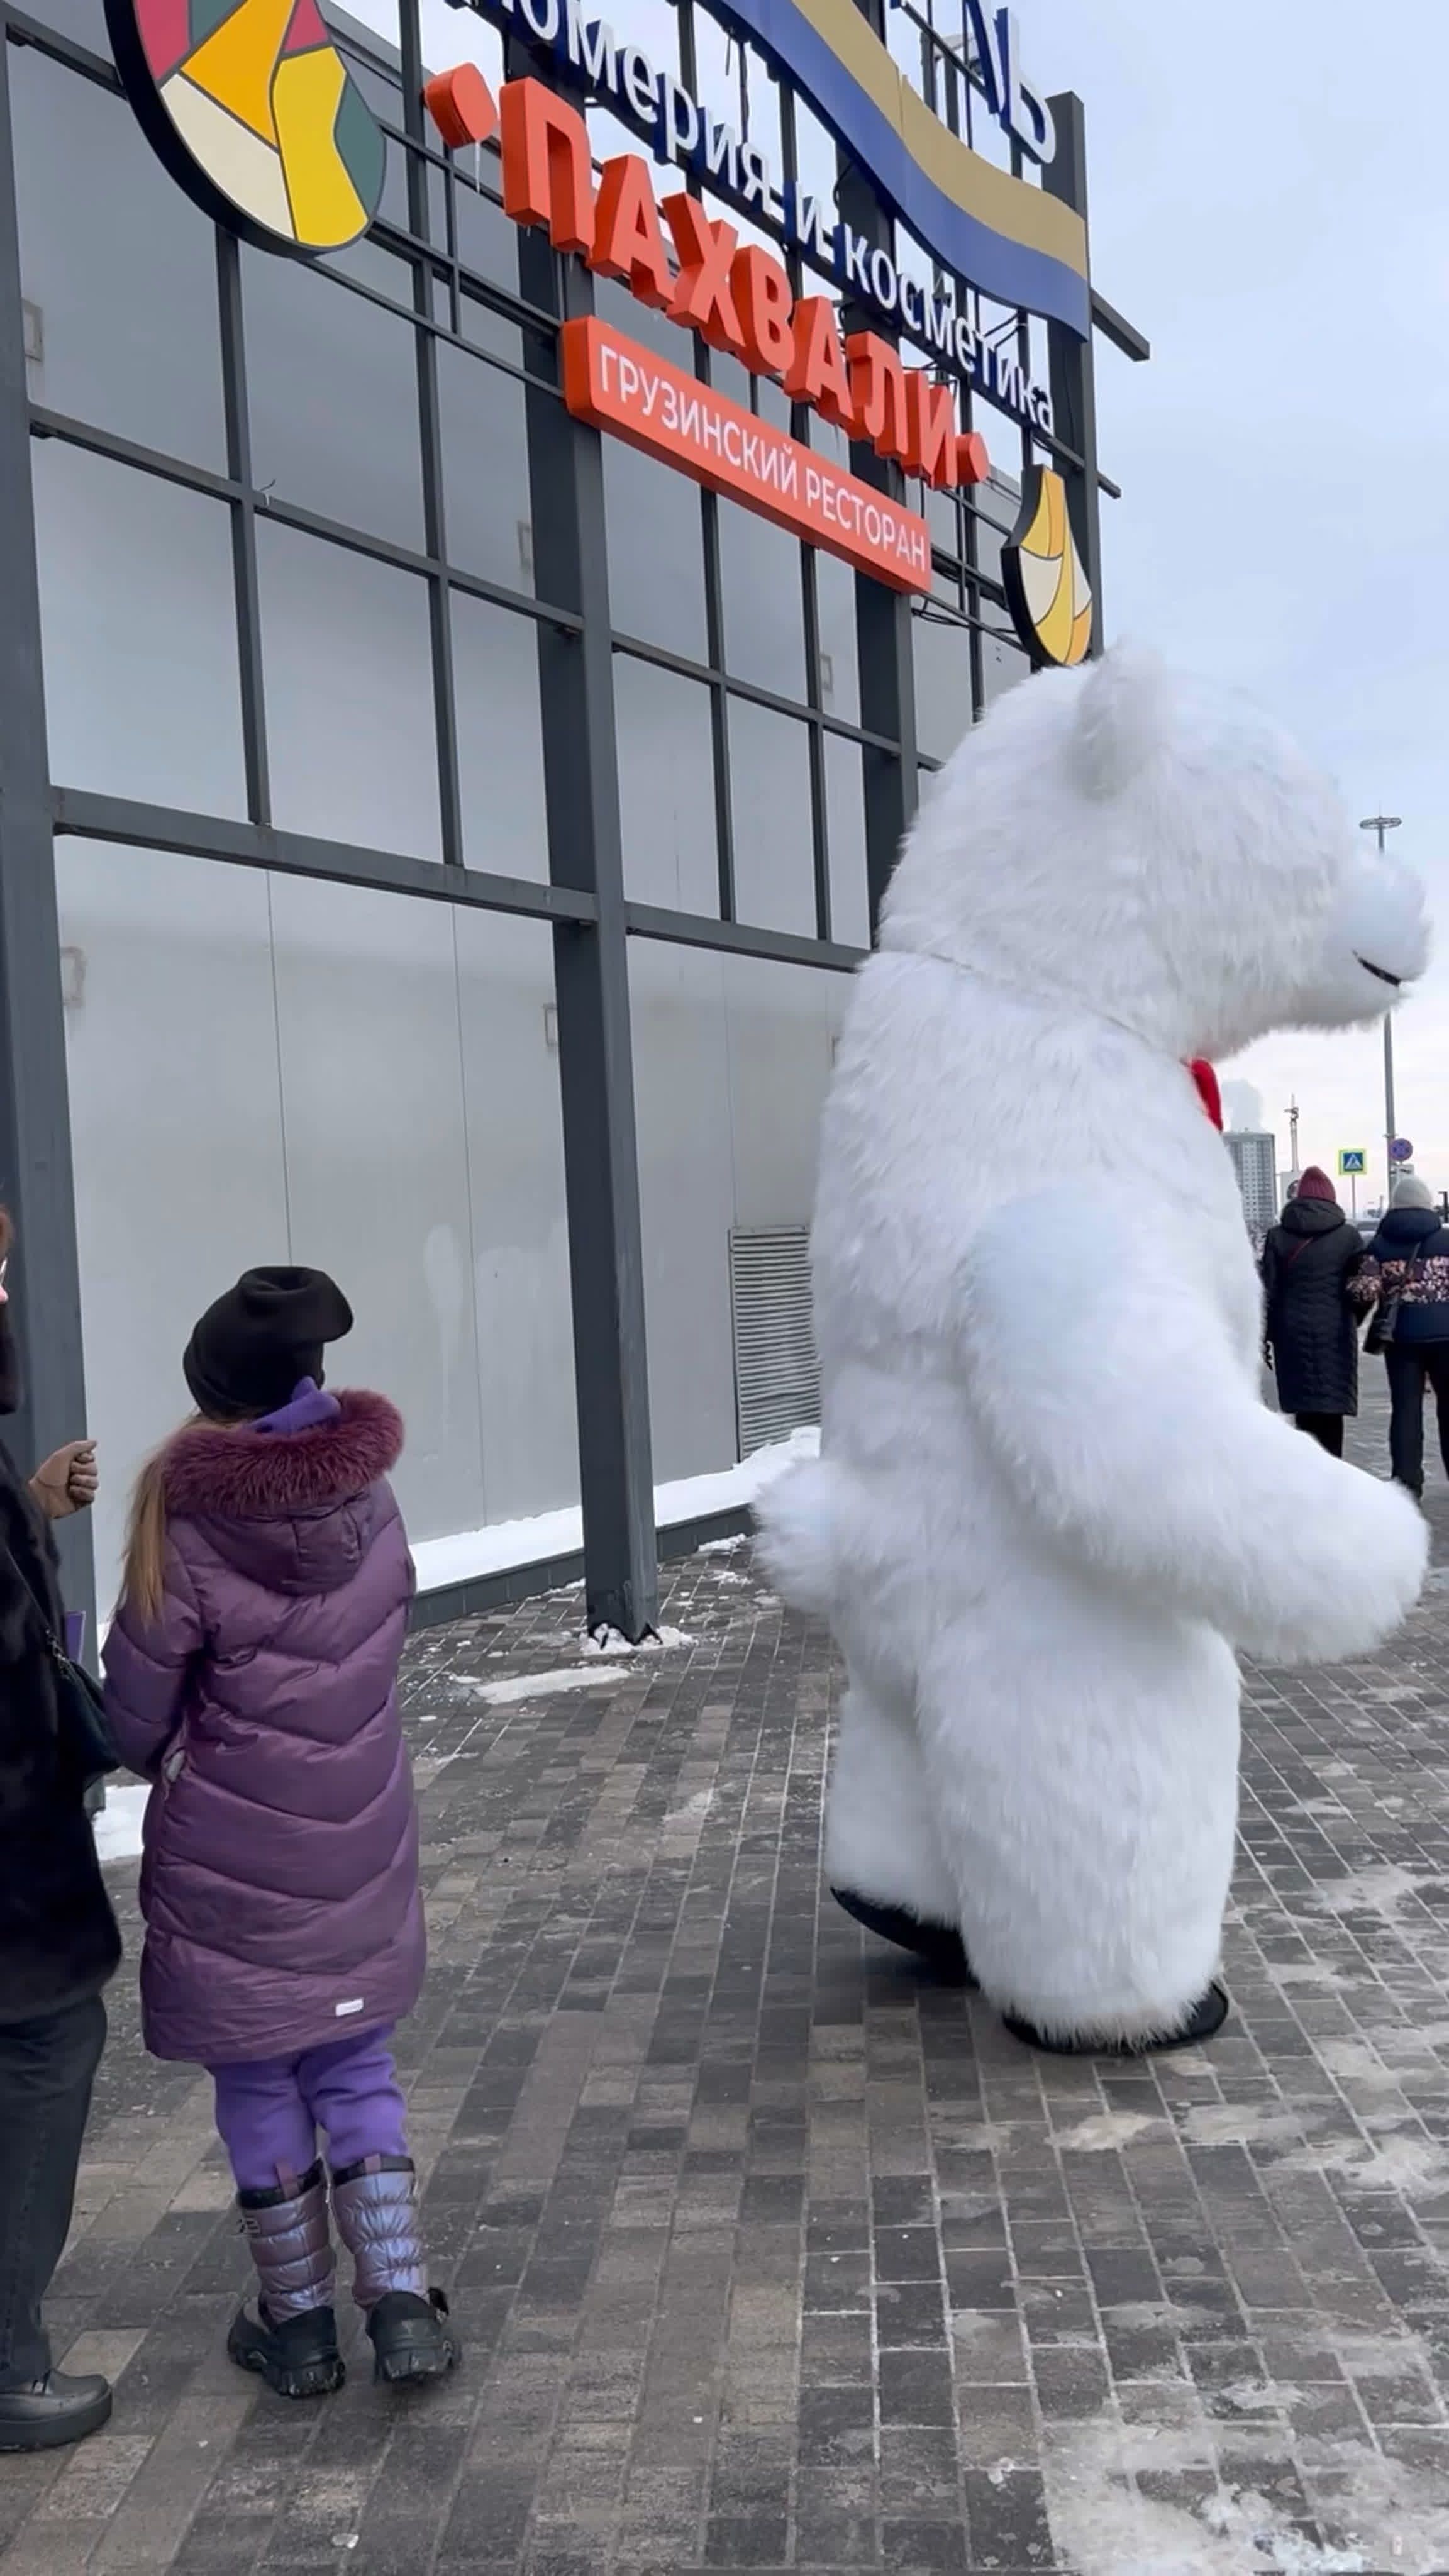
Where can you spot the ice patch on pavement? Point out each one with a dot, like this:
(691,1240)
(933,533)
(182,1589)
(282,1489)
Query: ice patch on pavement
(1367,1891)
(1390,2515)
(502,1545)
(1108,2129)
(1238,2124)
(118,1827)
(1417,2167)
(522,1686)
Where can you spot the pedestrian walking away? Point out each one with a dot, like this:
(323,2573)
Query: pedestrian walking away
(1404,1285)
(1310,1324)
(251,1674)
(59,1946)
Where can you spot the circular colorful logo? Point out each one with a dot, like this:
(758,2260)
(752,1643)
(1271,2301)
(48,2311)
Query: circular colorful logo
(254,112)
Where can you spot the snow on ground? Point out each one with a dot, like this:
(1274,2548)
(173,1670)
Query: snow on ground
(502,1545)
(118,1827)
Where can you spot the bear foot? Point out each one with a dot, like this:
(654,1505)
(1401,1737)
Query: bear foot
(1205,2019)
(938,1944)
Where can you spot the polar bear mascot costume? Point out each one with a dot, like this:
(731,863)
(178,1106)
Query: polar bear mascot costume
(1050,1503)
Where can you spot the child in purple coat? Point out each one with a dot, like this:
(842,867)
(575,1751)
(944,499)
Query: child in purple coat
(251,1674)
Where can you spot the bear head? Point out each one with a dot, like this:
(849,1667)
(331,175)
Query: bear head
(1150,848)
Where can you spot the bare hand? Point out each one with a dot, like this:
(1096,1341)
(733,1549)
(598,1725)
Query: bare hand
(68,1481)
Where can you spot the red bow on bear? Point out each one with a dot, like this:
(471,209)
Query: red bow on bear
(1208,1092)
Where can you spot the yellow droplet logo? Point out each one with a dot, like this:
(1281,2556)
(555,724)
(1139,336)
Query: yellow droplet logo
(1046,587)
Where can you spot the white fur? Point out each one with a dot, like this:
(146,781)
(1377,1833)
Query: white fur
(1050,1502)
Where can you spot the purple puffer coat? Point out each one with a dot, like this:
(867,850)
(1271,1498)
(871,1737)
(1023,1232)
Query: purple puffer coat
(280,1877)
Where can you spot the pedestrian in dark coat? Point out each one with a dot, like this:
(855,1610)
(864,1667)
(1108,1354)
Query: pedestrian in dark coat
(59,1946)
(251,1673)
(1406,1278)
(1310,1323)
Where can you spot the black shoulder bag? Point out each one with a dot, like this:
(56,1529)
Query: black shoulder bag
(80,1705)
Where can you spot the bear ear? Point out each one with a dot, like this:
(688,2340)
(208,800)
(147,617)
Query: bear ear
(1121,719)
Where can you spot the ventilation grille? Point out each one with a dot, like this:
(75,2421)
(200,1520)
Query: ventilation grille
(777,1376)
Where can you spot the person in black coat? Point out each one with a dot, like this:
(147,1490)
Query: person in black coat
(1310,1324)
(59,1945)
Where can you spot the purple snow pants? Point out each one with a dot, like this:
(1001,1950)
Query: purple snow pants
(269,2110)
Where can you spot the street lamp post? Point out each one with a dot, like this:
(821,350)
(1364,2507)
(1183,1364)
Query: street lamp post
(1383,824)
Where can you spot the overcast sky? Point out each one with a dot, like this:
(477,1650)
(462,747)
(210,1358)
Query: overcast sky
(1269,204)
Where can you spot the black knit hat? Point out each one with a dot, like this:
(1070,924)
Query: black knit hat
(251,1348)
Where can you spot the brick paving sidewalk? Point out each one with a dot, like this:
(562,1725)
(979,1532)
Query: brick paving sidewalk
(769,2254)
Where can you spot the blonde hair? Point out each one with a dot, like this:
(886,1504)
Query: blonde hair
(143,1576)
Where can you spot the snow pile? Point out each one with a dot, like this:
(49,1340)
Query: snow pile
(609,1641)
(502,1545)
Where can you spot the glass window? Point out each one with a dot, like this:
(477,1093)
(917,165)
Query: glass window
(771,814)
(332,386)
(348,660)
(839,652)
(666,787)
(656,552)
(1002,663)
(845,841)
(176,1129)
(782,1022)
(997,506)
(686,1203)
(652,514)
(637,321)
(519,1271)
(119,268)
(138,614)
(763,600)
(941,650)
(500,739)
(486,510)
(368,1041)
(83,19)
(487,238)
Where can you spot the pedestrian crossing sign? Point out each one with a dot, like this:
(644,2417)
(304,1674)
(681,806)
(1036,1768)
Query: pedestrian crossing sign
(1351,1158)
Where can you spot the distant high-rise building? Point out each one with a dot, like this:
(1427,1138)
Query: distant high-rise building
(1255,1161)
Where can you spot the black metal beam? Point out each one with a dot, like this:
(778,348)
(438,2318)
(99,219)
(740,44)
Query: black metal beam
(252,845)
(1123,335)
(737,939)
(882,616)
(591,972)
(1073,379)
(36,1176)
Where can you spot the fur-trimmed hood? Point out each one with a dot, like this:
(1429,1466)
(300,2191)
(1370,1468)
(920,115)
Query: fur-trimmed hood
(249,1475)
(296,1511)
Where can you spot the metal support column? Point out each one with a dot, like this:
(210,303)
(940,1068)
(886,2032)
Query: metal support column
(35,1159)
(882,615)
(591,969)
(1073,378)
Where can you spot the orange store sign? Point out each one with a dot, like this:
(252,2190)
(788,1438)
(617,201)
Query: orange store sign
(739,299)
(618,385)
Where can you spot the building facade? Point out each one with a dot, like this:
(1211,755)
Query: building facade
(435,832)
(1255,1162)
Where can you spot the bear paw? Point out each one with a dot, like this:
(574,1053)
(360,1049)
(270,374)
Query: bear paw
(1341,1581)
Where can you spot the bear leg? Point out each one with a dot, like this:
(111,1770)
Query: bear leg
(883,1859)
(1081,1778)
